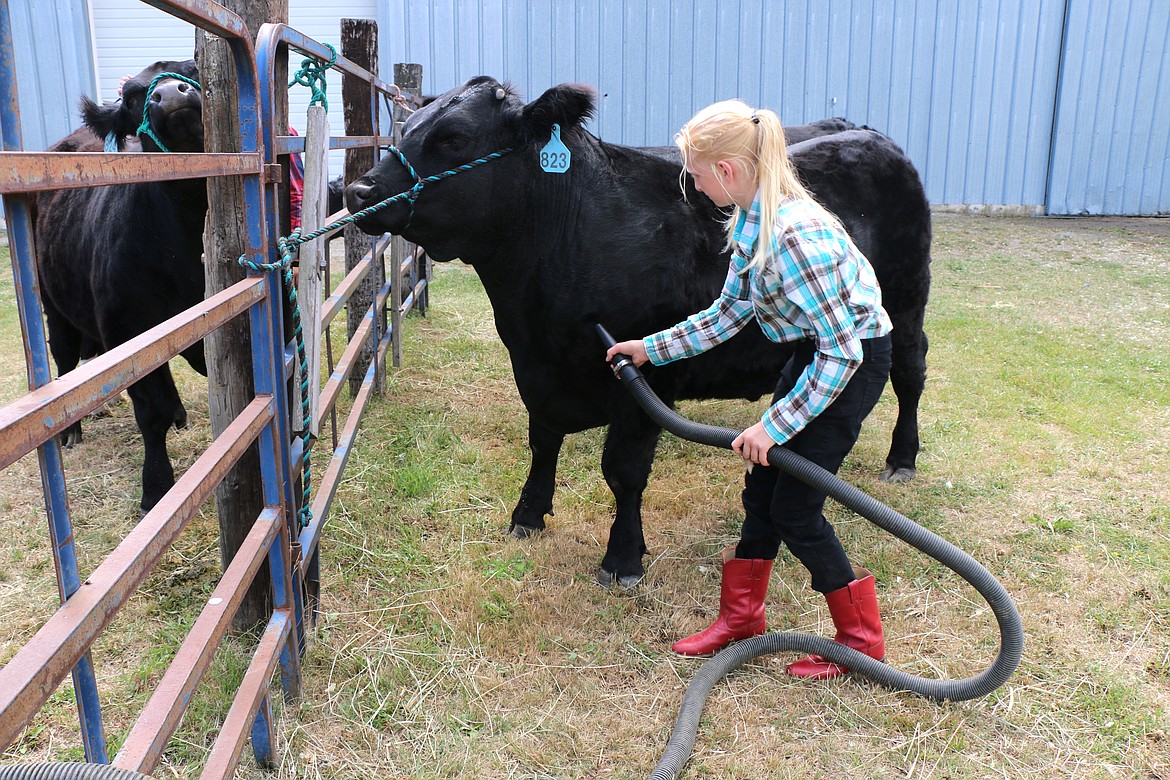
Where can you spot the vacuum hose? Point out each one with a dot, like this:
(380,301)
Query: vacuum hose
(68,771)
(682,738)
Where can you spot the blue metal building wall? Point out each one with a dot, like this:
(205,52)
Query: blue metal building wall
(969,89)
(1032,106)
(1113,111)
(55,64)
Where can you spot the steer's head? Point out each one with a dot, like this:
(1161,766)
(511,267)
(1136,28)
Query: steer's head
(465,124)
(176,110)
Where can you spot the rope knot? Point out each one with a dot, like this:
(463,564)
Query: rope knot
(312,75)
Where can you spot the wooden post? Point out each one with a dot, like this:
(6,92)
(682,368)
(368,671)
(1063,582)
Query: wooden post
(239,498)
(359,44)
(408,77)
(313,254)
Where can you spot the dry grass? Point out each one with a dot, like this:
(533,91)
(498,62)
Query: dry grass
(447,650)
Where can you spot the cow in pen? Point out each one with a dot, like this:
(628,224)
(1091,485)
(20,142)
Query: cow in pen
(613,240)
(115,261)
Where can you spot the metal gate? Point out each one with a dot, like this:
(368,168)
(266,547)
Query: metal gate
(89,603)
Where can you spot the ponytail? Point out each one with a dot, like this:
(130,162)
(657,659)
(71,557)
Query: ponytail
(754,141)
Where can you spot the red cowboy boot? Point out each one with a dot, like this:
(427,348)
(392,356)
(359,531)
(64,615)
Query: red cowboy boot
(741,606)
(854,610)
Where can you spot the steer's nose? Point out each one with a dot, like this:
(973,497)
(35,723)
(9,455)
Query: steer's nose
(366,193)
(172,94)
(359,195)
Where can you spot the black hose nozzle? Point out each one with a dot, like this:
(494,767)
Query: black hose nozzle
(623,367)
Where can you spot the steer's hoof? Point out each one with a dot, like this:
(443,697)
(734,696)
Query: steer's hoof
(606,579)
(895,476)
(523,531)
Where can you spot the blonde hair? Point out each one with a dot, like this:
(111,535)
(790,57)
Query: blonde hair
(753,141)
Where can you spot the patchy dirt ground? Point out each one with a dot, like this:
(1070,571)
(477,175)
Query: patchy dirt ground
(445,649)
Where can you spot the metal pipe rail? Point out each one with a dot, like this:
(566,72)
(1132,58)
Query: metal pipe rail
(272,40)
(63,642)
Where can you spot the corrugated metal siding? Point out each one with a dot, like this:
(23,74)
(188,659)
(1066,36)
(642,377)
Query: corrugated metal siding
(970,89)
(967,88)
(1111,150)
(54,65)
(322,22)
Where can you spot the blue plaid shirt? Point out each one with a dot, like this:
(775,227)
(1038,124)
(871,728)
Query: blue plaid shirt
(816,285)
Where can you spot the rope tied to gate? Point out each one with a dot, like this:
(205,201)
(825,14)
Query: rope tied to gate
(145,128)
(296,238)
(287,250)
(289,247)
(401,99)
(312,75)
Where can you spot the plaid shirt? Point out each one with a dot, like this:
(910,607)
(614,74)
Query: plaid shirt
(816,285)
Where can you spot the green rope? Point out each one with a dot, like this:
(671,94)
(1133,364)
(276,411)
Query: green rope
(289,247)
(145,128)
(312,75)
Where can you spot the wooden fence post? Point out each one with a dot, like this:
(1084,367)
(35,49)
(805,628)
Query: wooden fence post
(239,498)
(408,77)
(359,44)
(313,254)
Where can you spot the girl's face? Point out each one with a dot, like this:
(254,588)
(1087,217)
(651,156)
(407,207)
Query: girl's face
(724,183)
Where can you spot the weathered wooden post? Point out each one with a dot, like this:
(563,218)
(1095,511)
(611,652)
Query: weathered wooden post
(312,255)
(359,43)
(239,498)
(408,77)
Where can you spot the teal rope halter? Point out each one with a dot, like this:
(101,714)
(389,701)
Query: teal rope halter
(145,128)
(312,75)
(288,248)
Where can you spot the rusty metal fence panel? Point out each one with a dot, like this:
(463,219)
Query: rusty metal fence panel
(88,604)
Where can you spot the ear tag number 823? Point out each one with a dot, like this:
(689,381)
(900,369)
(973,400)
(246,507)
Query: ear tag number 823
(555,156)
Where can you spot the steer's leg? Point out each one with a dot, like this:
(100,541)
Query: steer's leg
(155,402)
(195,357)
(908,378)
(65,344)
(626,462)
(536,497)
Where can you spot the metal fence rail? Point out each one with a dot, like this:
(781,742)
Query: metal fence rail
(62,645)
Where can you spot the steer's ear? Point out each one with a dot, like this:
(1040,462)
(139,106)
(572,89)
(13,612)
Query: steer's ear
(107,119)
(566,105)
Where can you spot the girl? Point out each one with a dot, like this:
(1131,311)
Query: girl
(800,277)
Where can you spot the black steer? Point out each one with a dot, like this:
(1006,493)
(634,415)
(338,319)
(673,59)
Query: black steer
(795,134)
(116,261)
(612,240)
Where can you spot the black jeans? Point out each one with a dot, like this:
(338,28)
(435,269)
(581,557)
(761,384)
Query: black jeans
(781,508)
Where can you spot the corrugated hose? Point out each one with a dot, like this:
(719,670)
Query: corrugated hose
(682,738)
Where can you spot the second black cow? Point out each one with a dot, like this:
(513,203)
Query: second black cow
(115,261)
(612,240)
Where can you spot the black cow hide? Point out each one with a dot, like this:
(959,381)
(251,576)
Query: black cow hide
(613,240)
(115,261)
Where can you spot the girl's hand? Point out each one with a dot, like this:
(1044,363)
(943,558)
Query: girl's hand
(634,350)
(753,444)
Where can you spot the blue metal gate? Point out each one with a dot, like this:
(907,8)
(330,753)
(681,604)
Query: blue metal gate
(89,603)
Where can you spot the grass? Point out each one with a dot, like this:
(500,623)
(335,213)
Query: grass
(445,649)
